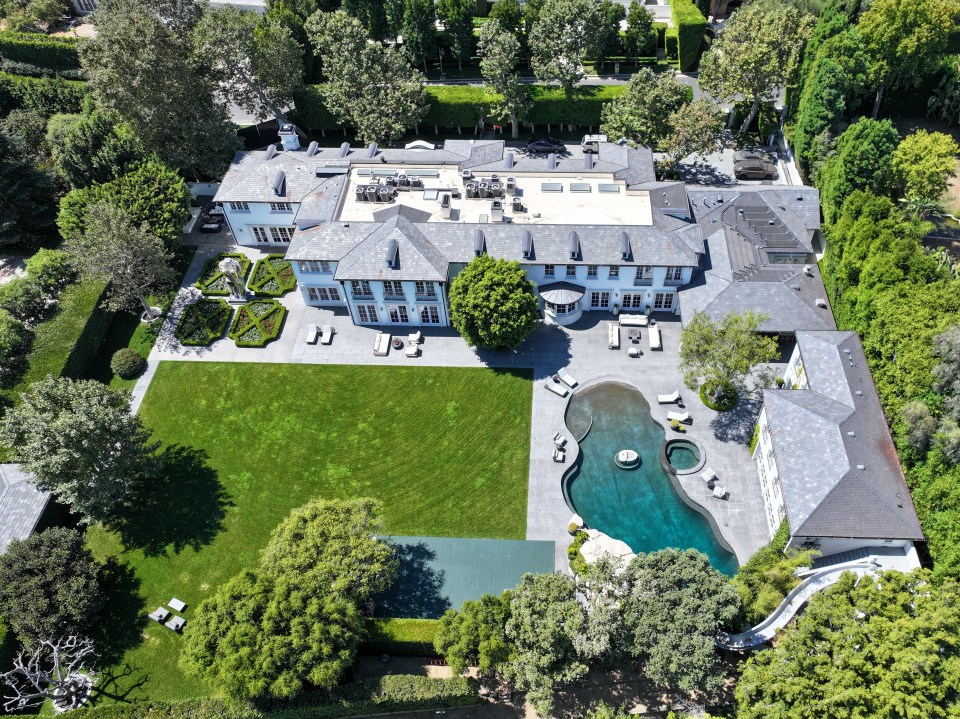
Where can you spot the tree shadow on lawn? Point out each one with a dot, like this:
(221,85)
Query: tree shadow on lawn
(183,507)
(123,616)
(417,593)
(114,684)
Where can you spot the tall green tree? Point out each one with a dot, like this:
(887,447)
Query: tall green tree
(457,19)
(641,35)
(642,113)
(904,41)
(923,163)
(26,196)
(90,149)
(49,586)
(755,55)
(80,442)
(696,128)
(608,31)
(868,647)
(499,56)
(566,32)
(419,30)
(510,16)
(475,635)
(492,304)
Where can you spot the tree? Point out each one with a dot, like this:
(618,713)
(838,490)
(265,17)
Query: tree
(755,54)
(862,160)
(545,621)
(14,340)
(904,41)
(923,162)
(565,32)
(510,16)
(374,17)
(723,352)
(457,19)
(492,304)
(419,30)
(80,442)
(499,56)
(642,113)
(141,67)
(697,128)
(476,635)
(865,647)
(292,623)
(919,425)
(641,36)
(90,149)
(27,124)
(57,671)
(371,87)
(48,585)
(26,196)
(610,14)
(257,60)
(946,348)
(130,258)
(44,12)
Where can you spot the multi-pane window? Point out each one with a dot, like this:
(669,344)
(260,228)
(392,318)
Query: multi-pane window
(663,301)
(323,294)
(674,274)
(571,270)
(281,207)
(600,300)
(281,234)
(260,234)
(425,289)
(367,314)
(591,272)
(392,288)
(430,315)
(644,275)
(314,266)
(632,301)
(398,313)
(548,270)
(614,271)
(361,288)
(564,309)
(240,207)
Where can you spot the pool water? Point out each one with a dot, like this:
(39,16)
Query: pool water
(638,506)
(683,455)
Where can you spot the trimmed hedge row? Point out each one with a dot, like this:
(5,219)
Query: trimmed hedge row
(690,26)
(457,105)
(551,106)
(52,53)
(203,323)
(405,637)
(47,95)
(212,281)
(272,276)
(398,692)
(257,323)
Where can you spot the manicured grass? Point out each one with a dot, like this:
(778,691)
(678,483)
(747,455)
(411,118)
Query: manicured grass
(445,449)
(405,637)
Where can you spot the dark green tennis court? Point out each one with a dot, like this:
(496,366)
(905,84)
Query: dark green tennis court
(439,573)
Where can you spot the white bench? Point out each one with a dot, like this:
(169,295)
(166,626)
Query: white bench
(381,345)
(613,335)
(326,336)
(679,416)
(668,398)
(653,334)
(634,320)
(313,334)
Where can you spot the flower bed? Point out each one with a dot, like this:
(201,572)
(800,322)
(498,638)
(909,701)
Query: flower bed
(203,323)
(257,323)
(213,282)
(272,276)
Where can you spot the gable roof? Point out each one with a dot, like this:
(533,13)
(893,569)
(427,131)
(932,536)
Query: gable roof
(416,258)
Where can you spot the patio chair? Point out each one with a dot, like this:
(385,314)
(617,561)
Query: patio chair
(568,380)
(313,334)
(176,624)
(668,398)
(176,605)
(326,336)
(720,492)
(679,416)
(412,350)
(416,338)
(381,345)
(653,334)
(559,456)
(159,615)
(708,475)
(557,389)
(559,440)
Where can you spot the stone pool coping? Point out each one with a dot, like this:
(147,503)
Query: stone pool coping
(665,461)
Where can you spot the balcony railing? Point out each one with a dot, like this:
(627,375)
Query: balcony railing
(390,295)
(360,295)
(642,281)
(672,283)
(427,296)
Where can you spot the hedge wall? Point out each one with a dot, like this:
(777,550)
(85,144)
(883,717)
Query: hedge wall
(310,110)
(690,25)
(551,106)
(47,95)
(457,105)
(406,637)
(52,53)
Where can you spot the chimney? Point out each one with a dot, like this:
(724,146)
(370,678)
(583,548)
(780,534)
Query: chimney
(588,161)
(288,136)
(552,161)
(574,245)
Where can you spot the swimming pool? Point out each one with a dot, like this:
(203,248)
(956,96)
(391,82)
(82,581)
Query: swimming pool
(639,506)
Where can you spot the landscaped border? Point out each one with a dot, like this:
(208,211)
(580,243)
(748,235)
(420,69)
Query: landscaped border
(257,323)
(203,323)
(272,277)
(212,281)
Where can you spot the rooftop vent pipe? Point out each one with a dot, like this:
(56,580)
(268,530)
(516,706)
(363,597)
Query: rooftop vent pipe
(527,244)
(574,245)
(588,161)
(478,243)
(509,161)
(821,303)
(344,150)
(312,149)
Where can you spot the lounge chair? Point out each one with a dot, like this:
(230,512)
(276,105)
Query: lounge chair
(653,334)
(559,440)
(719,492)
(668,398)
(416,338)
(159,615)
(412,350)
(381,345)
(176,624)
(176,605)
(708,475)
(557,389)
(633,320)
(634,352)
(559,456)
(679,416)
(313,334)
(613,335)
(568,380)
(326,336)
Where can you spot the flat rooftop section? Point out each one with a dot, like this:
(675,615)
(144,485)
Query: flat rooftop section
(440,573)
(21,505)
(553,199)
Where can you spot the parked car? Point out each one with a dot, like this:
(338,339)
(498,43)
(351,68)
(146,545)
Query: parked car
(755,170)
(745,155)
(215,210)
(211,226)
(545,144)
(591,143)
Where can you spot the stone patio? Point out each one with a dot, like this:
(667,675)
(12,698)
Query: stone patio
(581,349)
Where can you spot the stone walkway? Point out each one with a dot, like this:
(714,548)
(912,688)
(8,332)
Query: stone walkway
(580,349)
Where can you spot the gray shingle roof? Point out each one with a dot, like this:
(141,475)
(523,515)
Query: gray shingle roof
(822,436)
(21,505)
(416,259)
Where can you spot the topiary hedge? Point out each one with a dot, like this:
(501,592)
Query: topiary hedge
(272,276)
(257,323)
(212,281)
(51,53)
(728,395)
(405,637)
(47,95)
(551,106)
(690,26)
(457,105)
(203,323)
(127,363)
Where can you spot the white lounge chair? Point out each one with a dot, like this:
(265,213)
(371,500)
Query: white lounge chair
(412,349)
(653,334)
(160,615)
(708,475)
(326,336)
(679,416)
(313,334)
(613,335)
(568,380)
(381,345)
(633,320)
(557,389)
(176,624)
(416,338)
(668,398)
(719,492)
(559,440)
(559,456)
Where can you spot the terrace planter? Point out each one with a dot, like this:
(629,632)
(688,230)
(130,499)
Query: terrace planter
(257,323)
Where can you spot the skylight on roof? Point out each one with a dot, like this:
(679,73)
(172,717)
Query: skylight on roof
(551,187)
(608,187)
(580,187)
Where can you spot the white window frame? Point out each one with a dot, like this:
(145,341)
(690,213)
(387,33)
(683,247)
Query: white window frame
(425,289)
(548,270)
(361,288)
(260,234)
(398,314)
(674,274)
(591,272)
(393,288)
(599,299)
(367,314)
(633,300)
(282,235)
(281,207)
(240,206)
(430,315)
(663,300)
(614,271)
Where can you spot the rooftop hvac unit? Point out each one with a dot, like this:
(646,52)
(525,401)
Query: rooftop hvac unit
(527,240)
(466,176)
(445,208)
(385,194)
(484,189)
(361,193)
(517,205)
(511,185)
(496,211)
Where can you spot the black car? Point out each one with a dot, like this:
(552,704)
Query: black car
(211,226)
(746,155)
(755,170)
(545,144)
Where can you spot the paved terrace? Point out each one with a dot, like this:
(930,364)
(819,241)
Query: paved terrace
(580,349)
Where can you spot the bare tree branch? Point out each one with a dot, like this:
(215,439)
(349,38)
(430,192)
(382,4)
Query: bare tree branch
(56,670)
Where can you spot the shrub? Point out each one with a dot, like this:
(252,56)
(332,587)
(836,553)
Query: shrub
(578,564)
(48,96)
(203,323)
(754,438)
(51,53)
(719,396)
(127,363)
(690,26)
(51,268)
(212,281)
(24,298)
(272,276)
(670,43)
(405,637)
(552,107)
(258,323)
(457,105)
(14,340)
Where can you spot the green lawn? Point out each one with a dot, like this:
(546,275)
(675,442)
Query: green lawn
(446,450)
